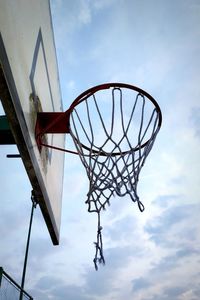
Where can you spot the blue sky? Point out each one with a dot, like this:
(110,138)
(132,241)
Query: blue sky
(151,255)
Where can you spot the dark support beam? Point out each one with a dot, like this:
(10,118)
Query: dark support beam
(6,137)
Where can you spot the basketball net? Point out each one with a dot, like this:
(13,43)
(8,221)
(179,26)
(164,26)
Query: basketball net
(117,147)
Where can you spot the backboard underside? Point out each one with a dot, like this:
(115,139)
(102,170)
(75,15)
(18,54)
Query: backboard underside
(30,84)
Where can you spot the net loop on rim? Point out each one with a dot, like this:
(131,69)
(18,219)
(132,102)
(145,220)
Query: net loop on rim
(113,134)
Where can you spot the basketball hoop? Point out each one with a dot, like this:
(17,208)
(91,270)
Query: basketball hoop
(113,127)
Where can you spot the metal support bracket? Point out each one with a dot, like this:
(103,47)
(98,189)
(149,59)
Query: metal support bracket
(6,136)
(50,122)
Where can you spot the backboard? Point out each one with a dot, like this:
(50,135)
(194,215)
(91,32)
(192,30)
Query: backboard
(30,84)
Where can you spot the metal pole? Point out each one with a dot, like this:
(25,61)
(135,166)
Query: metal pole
(34,204)
(1,275)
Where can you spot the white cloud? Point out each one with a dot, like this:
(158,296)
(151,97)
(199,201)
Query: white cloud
(85,13)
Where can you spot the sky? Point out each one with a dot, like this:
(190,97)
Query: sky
(150,255)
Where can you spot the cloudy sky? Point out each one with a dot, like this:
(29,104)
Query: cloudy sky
(153,44)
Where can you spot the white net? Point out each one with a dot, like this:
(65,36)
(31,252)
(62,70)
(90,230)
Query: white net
(113,131)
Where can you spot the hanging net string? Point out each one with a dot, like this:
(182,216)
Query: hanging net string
(118,135)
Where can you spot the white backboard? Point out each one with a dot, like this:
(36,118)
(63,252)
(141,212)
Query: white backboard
(29,65)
